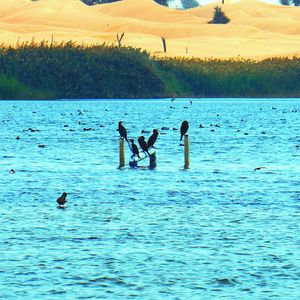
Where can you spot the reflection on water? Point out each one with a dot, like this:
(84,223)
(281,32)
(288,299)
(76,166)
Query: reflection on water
(217,231)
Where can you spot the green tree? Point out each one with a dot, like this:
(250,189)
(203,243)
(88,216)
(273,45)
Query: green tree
(219,17)
(186,4)
(290,2)
(93,2)
(162,2)
(285,2)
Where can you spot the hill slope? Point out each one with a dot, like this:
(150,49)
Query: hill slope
(256,29)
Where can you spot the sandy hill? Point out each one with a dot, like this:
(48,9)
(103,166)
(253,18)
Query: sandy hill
(256,29)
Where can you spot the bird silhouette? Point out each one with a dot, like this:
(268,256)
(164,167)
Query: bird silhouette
(122,131)
(259,168)
(134,148)
(153,138)
(183,129)
(62,200)
(143,144)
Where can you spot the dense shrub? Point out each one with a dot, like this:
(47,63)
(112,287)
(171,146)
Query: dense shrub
(73,71)
(67,70)
(219,17)
(11,88)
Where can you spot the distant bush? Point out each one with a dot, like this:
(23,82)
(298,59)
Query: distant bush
(66,70)
(274,77)
(219,17)
(11,88)
(290,2)
(73,71)
(186,4)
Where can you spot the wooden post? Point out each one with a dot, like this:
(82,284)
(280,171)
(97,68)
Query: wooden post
(186,152)
(121,154)
(152,161)
(133,163)
(164,44)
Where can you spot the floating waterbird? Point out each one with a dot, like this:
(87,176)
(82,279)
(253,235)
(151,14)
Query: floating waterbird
(183,129)
(145,131)
(153,138)
(259,168)
(143,144)
(122,131)
(12,171)
(134,149)
(62,200)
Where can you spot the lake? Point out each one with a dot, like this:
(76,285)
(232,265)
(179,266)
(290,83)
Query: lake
(219,230)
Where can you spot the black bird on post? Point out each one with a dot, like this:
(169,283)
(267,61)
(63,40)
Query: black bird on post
(184,128)
(153,138)
(122,131)
(134,149)
(143,144)
(62,200)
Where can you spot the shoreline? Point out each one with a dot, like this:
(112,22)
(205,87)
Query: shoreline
(68,71)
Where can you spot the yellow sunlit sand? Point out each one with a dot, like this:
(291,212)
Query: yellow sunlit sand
(256,29)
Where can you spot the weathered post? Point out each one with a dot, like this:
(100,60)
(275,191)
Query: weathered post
(164,44)
(133,163)
(121,154)
(152,161)
(186,152)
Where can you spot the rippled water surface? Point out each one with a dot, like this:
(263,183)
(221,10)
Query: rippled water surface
(217,231)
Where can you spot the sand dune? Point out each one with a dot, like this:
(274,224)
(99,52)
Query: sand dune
(256,29)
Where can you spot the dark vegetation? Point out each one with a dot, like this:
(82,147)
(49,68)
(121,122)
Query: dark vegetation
(43,71)
(93,2)
(219,17)
(186,4)
(290,2)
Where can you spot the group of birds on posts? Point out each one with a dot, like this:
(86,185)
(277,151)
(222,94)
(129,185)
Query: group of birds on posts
(145,146)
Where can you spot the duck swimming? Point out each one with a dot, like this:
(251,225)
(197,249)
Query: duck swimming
(62,200)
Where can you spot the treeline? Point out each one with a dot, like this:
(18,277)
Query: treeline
(69,71)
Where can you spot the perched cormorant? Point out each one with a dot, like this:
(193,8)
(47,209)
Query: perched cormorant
(134,148)
(62,200)
(183,129)
(143,144)
(153,138)
(122,131)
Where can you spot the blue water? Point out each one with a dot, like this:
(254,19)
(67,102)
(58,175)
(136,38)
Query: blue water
(217,231)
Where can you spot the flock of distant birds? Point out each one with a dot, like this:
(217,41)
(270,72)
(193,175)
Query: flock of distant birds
(145,146)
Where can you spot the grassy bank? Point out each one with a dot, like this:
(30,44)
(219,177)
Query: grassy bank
(45,71)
